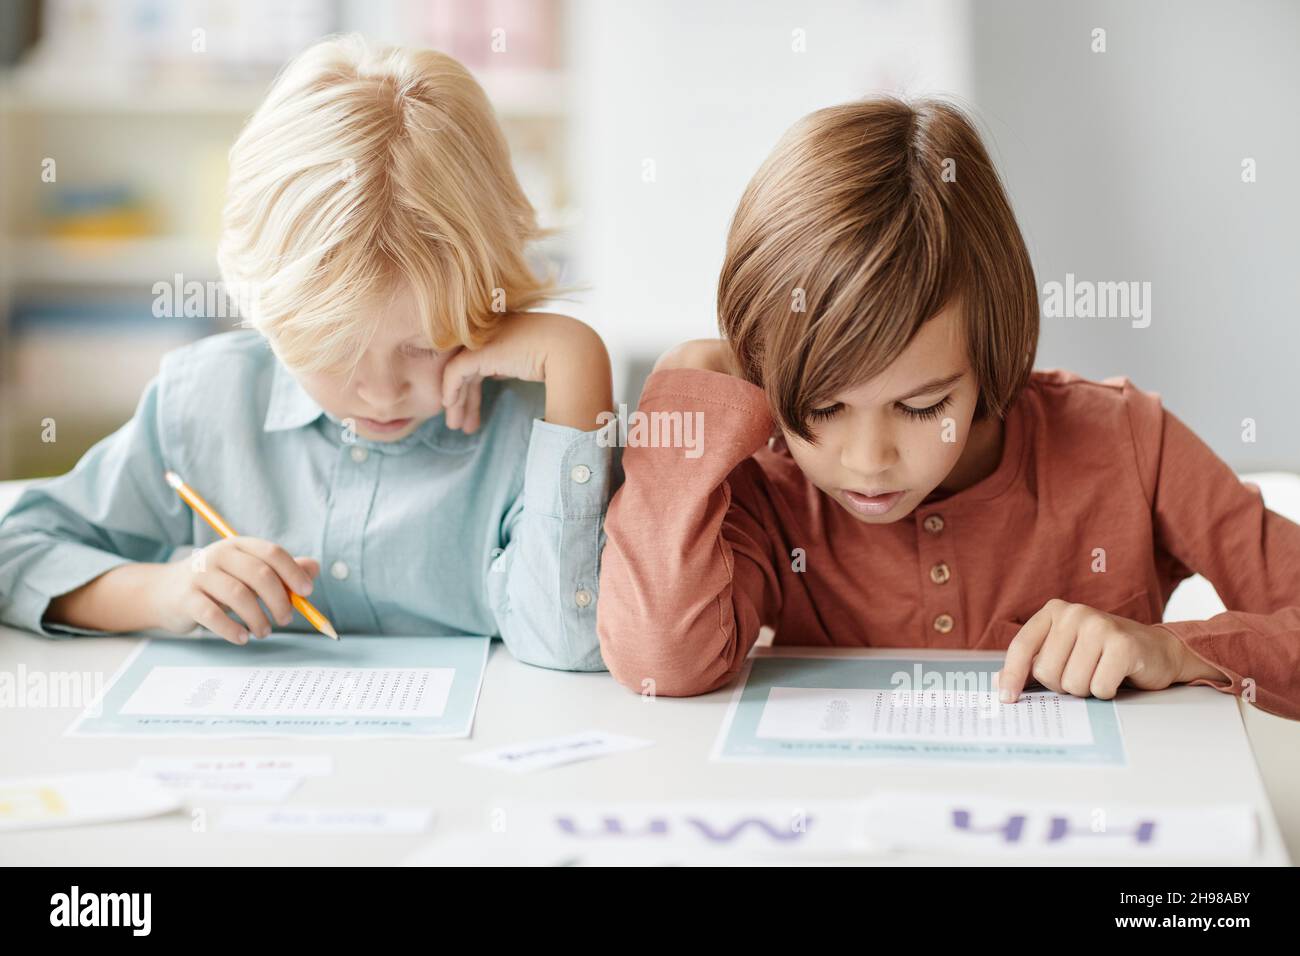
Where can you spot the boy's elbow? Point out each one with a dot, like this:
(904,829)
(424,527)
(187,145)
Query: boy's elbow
(663,672)
(651,659)
(657,682)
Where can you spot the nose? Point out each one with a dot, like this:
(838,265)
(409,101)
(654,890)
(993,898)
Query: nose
(382,385)
(869,452)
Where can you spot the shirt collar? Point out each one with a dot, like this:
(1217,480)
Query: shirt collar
(291,407)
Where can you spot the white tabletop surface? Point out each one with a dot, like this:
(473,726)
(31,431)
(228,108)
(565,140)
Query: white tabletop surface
(1167,763)
(1166,736)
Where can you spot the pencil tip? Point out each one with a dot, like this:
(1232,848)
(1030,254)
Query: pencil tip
(173,479)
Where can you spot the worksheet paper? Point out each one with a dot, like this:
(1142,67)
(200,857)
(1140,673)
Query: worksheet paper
(293,685)
(820,708)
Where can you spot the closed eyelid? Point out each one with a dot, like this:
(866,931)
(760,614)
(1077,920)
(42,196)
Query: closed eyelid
(827,410)
(927,404)
(932,387)
(930,411)
(833,407)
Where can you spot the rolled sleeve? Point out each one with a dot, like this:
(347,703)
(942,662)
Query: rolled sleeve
(113,508)
(54,571)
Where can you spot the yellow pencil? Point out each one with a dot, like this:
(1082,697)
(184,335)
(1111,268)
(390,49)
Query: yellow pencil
(218,523)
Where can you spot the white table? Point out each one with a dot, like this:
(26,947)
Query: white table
(520,702)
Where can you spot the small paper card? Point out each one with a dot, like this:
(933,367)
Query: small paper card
(77,798)
(554,751)
(325,820)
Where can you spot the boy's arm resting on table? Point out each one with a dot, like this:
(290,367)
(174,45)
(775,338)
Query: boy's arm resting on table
(91,531)
(687,576)
(1216,525)
(544,584)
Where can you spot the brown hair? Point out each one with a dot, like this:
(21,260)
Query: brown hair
(864,222)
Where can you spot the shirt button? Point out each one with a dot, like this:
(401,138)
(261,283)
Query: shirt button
(582,597)
(943,623)
(359,455)
(581,474)
(933,524)
(339,569)
(939,574)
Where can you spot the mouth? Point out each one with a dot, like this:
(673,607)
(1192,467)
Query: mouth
(391,425)
(874,504)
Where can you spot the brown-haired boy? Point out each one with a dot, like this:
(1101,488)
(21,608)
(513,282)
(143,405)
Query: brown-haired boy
(882,467)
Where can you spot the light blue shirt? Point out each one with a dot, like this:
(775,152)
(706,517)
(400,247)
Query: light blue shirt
(498,532)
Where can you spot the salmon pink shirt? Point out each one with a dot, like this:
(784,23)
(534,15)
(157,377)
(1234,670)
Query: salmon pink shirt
(703,551)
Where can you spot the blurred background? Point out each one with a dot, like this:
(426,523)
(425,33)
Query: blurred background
(634,127)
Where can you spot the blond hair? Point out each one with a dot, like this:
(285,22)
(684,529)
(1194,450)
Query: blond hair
(365,167)
(864,223)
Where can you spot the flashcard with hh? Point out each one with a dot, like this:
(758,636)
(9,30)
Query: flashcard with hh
(996,826)
(872,708)
(293,685)
(81,798)
(555,751)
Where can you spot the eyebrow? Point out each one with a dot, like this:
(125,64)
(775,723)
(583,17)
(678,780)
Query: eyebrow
(932,386)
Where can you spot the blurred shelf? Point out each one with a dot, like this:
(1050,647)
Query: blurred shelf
(44,261)
(78,100)
(108,261)
(520,95)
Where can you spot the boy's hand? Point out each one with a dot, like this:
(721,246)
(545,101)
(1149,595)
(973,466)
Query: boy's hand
(712,355)
(1076,649)
(566,355)
(232,574)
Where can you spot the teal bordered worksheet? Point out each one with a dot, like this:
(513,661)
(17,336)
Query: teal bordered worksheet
(873,708)
(293,685)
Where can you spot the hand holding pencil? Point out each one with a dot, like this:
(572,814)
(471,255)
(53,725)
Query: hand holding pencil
(235,573)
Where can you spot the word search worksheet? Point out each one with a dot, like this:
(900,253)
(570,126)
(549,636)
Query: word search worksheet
(293,685)
(789,707)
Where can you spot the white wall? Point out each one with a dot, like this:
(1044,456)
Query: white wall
(1126,165)
(1123,166)
(704,90)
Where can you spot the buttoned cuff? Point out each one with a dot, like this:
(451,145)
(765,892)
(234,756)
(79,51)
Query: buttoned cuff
(567,474)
